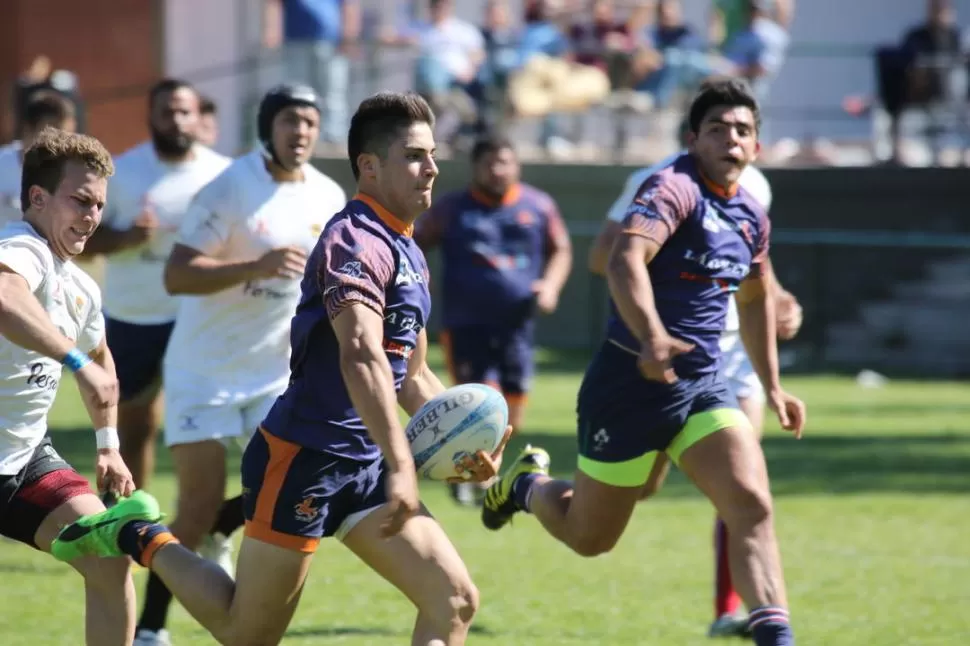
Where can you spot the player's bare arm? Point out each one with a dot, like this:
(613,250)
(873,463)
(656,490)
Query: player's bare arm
(629,283)
(421,383)
(599,252)
(559,261)
(370,383)
(23,320)
(111,473)
(788,311)
(188,271)
(106,240)
(756,311)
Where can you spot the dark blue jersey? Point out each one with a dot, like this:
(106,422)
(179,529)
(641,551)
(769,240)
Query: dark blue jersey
(365,255)
(492,253)
(710,242)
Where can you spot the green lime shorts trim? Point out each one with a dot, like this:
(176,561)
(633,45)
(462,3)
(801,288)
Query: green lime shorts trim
(634,472)
(629,473)
(703,424)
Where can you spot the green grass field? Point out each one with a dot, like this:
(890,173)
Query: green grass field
(873,514)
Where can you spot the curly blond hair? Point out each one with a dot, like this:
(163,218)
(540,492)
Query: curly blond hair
(44,161)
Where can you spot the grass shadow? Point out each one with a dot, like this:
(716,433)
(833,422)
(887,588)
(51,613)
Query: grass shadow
(343,631)
(365,631)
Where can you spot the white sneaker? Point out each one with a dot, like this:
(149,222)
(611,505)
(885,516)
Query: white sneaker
(218,549)
(152,638)
(729,626)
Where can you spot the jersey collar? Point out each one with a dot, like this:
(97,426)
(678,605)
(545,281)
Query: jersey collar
(393,222)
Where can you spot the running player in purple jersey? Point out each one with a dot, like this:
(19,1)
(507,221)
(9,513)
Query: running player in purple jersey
(691,238)
(331,458)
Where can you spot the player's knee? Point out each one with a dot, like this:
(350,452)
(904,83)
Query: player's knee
(454,611)
(195,516)
(106,575)
(593,543)
(750,506)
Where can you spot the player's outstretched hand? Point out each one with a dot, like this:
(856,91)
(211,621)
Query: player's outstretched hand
(98,387)
(112,474)
(282,262)
(790,411)
(482,467)
(656,357)
(402,499)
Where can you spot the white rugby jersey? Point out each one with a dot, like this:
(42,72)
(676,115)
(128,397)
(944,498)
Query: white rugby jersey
(240,335)
(133,287)
(28,380)
(752,180)
(11,170)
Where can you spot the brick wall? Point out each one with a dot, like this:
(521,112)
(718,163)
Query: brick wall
(114,46)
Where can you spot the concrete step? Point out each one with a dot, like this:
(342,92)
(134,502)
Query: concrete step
(947,364)
(947,319)
(949,269)
(943,290)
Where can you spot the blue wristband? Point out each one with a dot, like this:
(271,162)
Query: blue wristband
(75,360)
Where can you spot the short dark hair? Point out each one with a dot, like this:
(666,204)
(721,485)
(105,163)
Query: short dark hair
(47,106)
(379,119)
(167,86)
(492,142)
(207,105)
(44,161)
(729,92)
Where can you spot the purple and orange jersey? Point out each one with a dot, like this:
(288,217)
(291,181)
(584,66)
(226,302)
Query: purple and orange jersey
(710,242)
(492,252)
(364,256)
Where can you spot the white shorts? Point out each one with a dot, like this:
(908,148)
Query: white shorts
(196,414)
(736,369)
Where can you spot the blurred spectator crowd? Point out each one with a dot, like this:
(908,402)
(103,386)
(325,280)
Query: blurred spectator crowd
(552,60)
(557,64)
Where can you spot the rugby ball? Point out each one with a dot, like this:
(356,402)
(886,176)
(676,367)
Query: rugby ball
(460,421)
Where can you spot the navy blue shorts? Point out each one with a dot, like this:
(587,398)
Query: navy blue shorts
(27,498)
(138,351)
(294,496)
(504,358)
(625,419)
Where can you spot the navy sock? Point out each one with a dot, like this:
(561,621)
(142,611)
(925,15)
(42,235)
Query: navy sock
(157,600)
(521,489)
(230,517)
(140,539)
(769,627)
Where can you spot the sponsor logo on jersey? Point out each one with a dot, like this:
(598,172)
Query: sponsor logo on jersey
(40,379)
(406,274)
(351,268)
(261,290)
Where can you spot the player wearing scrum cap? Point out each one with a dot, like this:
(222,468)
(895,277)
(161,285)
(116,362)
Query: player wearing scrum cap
(239,257)
(50,315)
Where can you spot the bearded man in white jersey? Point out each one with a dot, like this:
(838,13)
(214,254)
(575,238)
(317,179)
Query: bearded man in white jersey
(44,109)
(150,192)
(50,315)
(736,369)
(239,258)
